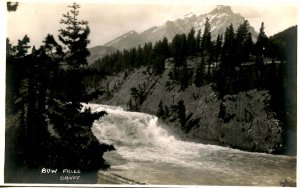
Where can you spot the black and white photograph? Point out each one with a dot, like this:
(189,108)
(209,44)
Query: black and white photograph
(150,93)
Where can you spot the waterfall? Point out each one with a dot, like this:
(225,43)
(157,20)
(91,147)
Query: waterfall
(145,150)
(132,129)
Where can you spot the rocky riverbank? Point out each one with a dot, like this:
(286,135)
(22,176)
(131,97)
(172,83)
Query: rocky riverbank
(242,121)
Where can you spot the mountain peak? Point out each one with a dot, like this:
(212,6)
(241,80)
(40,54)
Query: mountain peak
(189,15)
(220,18)
(222,9)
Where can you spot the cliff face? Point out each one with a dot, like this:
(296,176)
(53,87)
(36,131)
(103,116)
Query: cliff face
(247,123)
(241,121)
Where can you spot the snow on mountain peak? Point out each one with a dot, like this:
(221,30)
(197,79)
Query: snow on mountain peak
(220,18)
(221,9)
(189,15)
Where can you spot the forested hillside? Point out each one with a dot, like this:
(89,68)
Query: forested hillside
(231,65)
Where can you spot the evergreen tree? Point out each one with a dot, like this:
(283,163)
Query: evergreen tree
(22,47)
(16,70)
(160,112)
(185,78)
(248,48)
(226,72)
(10,49)
(75,37)
(165,47)
(147,53)
(260,48)
(206,38)
(131,107)
(261,42)
(228,48)
(198,81)
(241,37)
(160,53)
(40,92)
(218,47)
(167,111)
(191,42)
(198,41)
(207,46)
(139,55)
(181,114)
(178,49)
(75,142)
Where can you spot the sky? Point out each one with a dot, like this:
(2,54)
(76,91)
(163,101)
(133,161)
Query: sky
(110,19)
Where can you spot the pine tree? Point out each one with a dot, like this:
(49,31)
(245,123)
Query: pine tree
(228,48)
(10,49)
(139,56)
(76,141)
(261,43)
(206,38)
(22,47)
(130,105)
(225,75)
(179,52)
(160,51)
(240,43)
(207,46)
(147,53)
(218,47)
(178,49)
(260,48)
(248,47)
(191,42)
(160,112)
(185,78)
(198,42)
(75,37)
(181,114)
(198,81)
(39,93)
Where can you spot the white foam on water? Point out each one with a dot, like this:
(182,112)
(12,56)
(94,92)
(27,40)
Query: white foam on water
(139,140)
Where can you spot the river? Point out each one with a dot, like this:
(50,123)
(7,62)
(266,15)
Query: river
(146,153)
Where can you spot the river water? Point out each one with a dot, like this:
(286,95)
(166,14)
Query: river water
(146,153)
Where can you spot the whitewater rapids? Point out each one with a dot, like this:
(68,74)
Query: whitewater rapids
(145,152)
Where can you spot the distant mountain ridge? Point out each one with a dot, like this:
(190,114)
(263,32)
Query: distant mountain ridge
(220,18)
(99,52)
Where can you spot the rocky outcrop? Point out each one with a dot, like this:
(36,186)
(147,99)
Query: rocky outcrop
(241,121)
(247,123)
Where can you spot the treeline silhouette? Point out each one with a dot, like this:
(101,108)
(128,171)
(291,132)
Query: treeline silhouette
(46,125)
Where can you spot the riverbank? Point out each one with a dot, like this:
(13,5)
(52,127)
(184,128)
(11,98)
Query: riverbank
(242,121)
(110,178)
